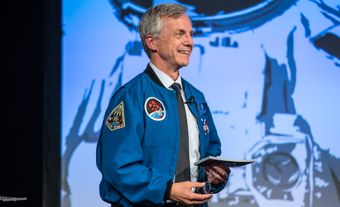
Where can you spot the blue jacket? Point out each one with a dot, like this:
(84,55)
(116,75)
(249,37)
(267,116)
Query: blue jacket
(138,146)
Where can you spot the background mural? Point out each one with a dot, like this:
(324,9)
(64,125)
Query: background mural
(270,70)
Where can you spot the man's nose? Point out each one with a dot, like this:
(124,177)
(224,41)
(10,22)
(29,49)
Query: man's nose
(189,41)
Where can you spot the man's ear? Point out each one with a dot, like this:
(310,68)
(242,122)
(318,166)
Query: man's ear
(151,43)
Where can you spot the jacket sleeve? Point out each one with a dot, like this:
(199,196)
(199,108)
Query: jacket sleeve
(120,157)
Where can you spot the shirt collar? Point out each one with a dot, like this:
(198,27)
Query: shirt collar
(164,78)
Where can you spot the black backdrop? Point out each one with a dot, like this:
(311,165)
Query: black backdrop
(30,142)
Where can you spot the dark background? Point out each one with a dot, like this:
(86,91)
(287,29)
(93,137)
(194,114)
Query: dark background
(30,150)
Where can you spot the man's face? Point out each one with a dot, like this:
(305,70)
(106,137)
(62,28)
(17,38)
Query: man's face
(174,44)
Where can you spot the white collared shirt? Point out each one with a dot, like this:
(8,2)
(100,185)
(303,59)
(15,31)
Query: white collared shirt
(193,131)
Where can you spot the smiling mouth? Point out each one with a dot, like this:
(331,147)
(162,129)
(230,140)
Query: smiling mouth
(185,52)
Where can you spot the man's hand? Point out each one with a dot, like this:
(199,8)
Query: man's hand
(183,193)
(217,174)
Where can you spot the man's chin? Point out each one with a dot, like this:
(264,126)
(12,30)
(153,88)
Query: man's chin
(184,63)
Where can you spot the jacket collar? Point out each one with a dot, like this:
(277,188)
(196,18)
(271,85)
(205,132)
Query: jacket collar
(148,71)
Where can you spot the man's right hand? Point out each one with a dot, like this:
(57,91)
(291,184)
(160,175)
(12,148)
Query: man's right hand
(183,192)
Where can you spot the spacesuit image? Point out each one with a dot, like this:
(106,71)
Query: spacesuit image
(270,72)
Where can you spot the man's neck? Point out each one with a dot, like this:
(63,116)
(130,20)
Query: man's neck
(173,73)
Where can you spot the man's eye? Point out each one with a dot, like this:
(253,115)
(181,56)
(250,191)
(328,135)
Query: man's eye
(179,34)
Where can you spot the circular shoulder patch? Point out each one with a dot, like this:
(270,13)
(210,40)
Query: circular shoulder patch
(155,109)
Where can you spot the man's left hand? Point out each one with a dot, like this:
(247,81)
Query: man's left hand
(217,174)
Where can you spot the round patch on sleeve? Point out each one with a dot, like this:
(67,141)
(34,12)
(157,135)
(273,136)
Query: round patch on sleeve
(155,109)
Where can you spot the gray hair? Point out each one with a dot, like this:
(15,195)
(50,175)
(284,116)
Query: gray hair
(151,23)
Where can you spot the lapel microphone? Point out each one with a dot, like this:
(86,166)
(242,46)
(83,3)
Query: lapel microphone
(191,100)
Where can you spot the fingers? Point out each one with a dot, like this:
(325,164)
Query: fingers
(183,193)
(215,177)
(217,173)
(196,184)
(196,198)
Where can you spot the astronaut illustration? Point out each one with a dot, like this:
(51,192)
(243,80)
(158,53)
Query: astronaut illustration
(270,70)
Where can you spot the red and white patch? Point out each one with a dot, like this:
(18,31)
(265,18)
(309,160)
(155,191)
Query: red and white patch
(155,109)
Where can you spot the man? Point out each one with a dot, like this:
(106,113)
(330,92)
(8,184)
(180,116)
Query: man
(157,125)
